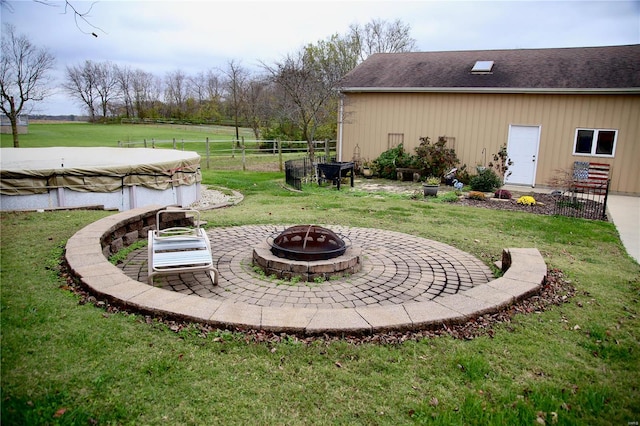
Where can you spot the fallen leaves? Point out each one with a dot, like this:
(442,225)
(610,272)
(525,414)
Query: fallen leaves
(59,413)
(556,291)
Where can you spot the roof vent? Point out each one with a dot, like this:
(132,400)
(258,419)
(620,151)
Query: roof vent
(482,67)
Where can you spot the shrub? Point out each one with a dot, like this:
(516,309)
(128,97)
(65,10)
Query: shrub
(385,165)
(435,159)
(476,195)
(449,197)
(526,200)
(502,194)
(486,181)
(501,162)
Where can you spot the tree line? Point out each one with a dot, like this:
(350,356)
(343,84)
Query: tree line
(293,98)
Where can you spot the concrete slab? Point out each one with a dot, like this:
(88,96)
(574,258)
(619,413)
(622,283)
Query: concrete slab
(193,307)
(127,290)
(383,318)
(426,314)
(492,295)
(238,314)
(516,288)
(467,306)
(287,319)
(341,320)
(624,212)
(155,299)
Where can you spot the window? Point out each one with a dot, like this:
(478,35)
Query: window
(600,142)
(394,139)
(482,67)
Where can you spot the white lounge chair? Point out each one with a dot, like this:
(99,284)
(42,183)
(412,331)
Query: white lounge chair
(176,250)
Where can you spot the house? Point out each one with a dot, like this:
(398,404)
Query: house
(550,107)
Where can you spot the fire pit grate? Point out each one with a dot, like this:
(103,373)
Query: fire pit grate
(307,243)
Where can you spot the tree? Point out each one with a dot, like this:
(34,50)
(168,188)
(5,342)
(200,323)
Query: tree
(106,85)
(95,85)
(23,75)
(236,78)
(306,81)
(255,108)
(81,84)
(146,94)
(124,77)
(380,36)
(176,93)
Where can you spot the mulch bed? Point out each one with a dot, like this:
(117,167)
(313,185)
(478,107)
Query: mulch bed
(545,204)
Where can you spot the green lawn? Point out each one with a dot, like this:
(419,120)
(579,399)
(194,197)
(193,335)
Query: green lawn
(69,363)
(87,134)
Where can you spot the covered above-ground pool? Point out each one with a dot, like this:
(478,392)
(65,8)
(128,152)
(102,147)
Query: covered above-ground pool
(114,178)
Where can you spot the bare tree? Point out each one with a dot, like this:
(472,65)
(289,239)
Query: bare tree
(23,75)
(176,93)
(255,105)
(124,78)
(307,89)
(146,93)
(81,84)
(106,85)
(236,80)
(380,36)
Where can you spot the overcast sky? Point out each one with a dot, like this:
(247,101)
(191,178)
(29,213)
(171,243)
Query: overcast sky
(193,36)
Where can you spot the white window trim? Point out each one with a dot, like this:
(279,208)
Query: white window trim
(594,145)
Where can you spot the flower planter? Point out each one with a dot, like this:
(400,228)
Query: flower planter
(430,190)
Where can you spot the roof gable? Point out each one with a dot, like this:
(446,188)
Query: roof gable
(612,67)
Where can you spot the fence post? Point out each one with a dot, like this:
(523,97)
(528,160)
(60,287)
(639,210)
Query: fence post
(207,144)
(326,149)
(279,143)
(183,144)
(119,144)
(174,143)
(233,148)
(145,142)
(244,159)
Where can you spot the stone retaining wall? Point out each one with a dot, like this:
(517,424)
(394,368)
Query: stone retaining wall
(135,225)
(88,250)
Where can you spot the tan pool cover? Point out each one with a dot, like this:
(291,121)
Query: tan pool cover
(38,170)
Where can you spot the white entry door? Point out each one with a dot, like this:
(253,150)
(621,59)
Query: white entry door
(522,149)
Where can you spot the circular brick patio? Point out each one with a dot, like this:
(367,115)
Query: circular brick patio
(397,269)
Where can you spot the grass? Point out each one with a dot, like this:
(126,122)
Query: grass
(70,363)
(86,134)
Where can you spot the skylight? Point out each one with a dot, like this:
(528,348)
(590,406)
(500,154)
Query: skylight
(482,66)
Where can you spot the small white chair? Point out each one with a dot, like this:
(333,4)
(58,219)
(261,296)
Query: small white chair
(176,250)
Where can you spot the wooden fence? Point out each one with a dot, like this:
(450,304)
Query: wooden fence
(237,148)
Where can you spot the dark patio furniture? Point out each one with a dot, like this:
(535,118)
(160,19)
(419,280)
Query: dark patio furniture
(335,171)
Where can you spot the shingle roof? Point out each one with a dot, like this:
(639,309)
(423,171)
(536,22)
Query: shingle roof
(611,68)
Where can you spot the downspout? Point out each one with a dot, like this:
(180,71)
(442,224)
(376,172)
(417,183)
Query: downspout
(340,120)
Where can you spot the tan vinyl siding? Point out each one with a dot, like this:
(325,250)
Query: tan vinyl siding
(480,125)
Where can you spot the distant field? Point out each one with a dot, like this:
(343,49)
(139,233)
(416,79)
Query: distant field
(87,134)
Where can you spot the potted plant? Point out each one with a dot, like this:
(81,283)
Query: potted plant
(430,186)
(367,171)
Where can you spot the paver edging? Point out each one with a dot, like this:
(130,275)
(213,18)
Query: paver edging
(524,271)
